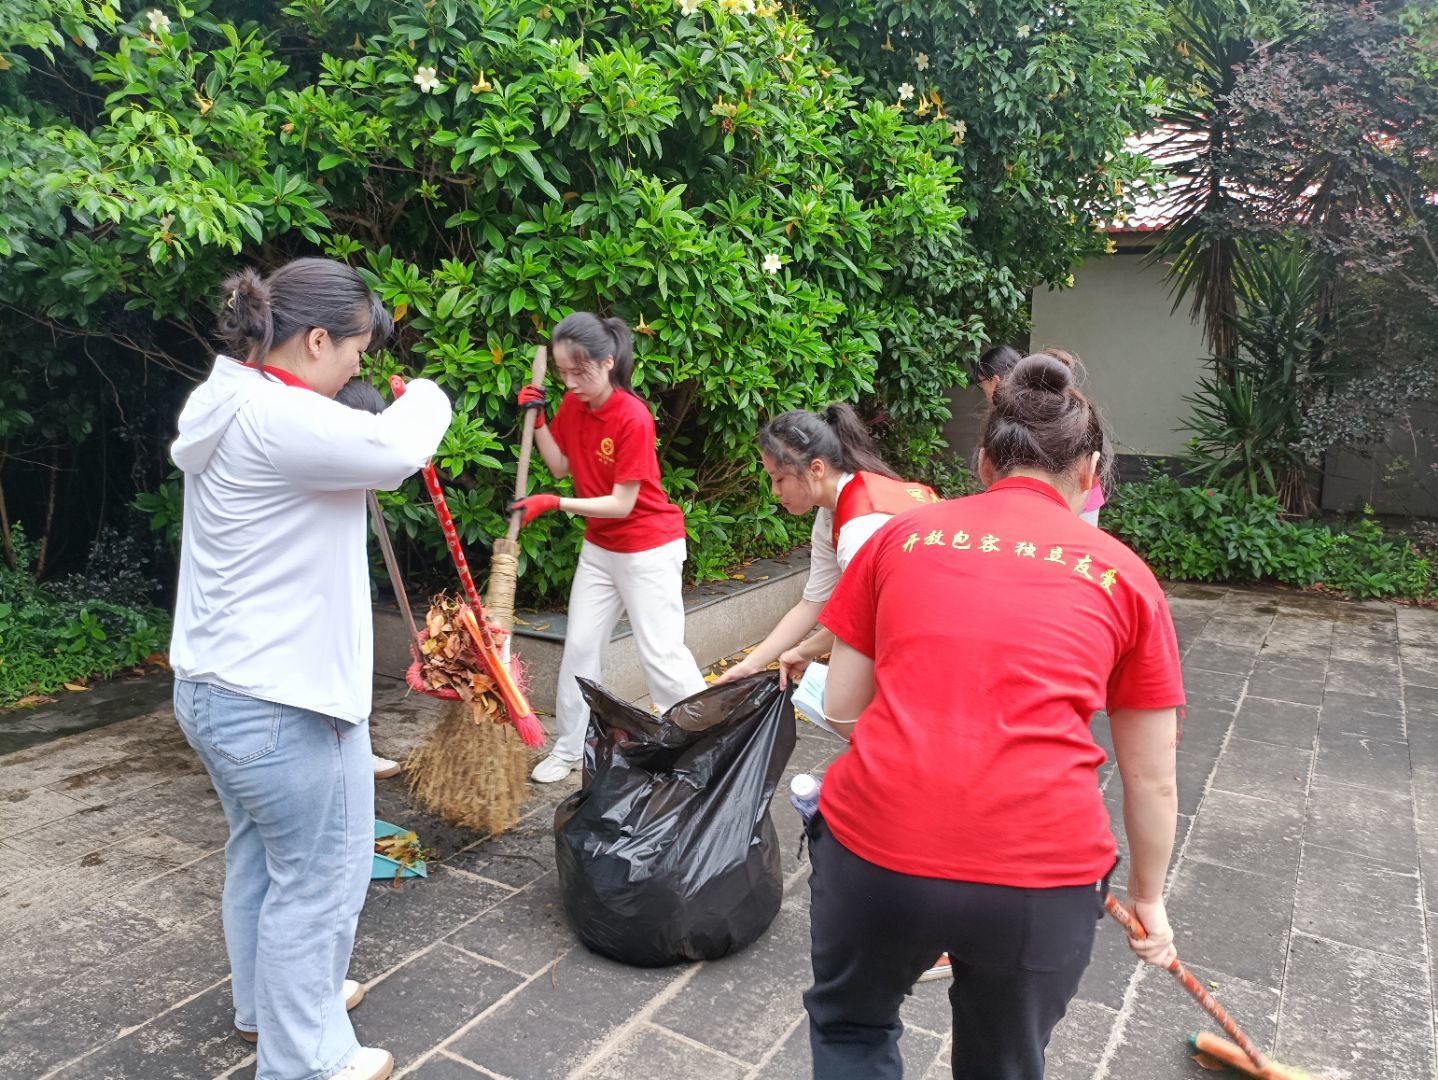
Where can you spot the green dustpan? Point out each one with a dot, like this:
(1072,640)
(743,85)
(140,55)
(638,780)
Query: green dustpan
(385,868)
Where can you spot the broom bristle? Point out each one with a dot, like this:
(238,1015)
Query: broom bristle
(471,771)
(530,731)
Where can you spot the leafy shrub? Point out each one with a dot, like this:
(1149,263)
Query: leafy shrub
(780,231)
(1203,534)
(50,636)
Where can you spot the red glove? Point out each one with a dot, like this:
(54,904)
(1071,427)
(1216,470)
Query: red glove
(531,506)
(532,397)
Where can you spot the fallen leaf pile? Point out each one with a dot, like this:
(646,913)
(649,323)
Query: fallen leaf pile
(449,660)
(403,848)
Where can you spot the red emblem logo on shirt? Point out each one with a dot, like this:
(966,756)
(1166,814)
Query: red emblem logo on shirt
(606,450)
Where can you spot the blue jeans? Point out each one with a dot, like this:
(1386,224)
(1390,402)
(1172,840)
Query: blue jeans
(298,792)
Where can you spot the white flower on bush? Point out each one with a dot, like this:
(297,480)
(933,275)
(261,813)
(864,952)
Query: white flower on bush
(688,7)
(1023,31)
(958,129)
(159,21)
(922,61)
(427,79)
(772,263)
(906,91)
(581,69)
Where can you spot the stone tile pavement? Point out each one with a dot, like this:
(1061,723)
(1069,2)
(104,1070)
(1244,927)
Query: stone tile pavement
(1305,888)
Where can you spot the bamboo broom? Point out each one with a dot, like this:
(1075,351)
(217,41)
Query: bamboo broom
(472,772)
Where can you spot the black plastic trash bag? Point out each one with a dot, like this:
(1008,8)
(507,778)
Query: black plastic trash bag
(667,853)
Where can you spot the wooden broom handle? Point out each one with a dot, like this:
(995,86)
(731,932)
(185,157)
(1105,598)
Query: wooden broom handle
(526,442)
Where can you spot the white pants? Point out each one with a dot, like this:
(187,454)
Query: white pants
(646,585)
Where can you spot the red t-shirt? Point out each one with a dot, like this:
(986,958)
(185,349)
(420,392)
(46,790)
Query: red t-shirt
(998,624)
(614,444)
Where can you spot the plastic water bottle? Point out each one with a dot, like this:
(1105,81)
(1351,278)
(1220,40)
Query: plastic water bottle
(804,794)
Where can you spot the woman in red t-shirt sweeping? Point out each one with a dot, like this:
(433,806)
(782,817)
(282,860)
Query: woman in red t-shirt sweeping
(633,554)
(825,460)
(976,638)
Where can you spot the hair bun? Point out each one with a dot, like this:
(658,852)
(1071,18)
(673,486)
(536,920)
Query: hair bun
(245,320)
(1042,372)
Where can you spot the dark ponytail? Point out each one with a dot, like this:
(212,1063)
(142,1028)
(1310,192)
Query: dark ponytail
(997,362)
(837,437)
(257,314)
(1041,420)
(590,339)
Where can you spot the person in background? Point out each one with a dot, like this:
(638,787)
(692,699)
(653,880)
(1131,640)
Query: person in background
(975,639)
(632,558)
(826,461)
(991,369)
(273,643)
(358,394)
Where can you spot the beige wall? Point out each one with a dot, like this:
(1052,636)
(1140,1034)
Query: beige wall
(1141,358)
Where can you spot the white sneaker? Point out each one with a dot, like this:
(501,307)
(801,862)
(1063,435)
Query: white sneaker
(553,768)
(942,969)
(353,994)
(371,1063)
(383,767)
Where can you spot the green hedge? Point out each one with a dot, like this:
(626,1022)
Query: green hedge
(1201,534)
(67,632)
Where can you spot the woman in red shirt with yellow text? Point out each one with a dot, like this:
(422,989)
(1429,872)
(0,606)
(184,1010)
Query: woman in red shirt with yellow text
(632,559)
(826,461)
(975,639)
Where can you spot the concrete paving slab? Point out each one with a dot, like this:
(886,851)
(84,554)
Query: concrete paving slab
(195,1039)
(1362,761)
(1246,833)
(398,923)
(425,1001)
(1205,686)
(527,932)
(1355,1014)
(561,1017)
(1110,969)
(1299,681)
(1369,676)
(41,766)
(1220,657)
(1354,900)
(1356,975)
(444,1067)
(1423,744)
(923,1054)
(37,1038)
(1077,1044)
(515,858)
(1263,770)
(1229,920)
(1363,715)
(1205,727)
(653,1051)
(1283,723)
(26,809)
(1363,821)
(1195,767)
(754,991)
(1153,1039)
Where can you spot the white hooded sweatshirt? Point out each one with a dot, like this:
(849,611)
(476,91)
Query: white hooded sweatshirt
(274,599)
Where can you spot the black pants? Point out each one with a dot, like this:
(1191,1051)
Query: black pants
(1018,955)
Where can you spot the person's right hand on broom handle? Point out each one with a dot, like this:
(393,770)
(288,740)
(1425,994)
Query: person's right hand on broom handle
(1145,743)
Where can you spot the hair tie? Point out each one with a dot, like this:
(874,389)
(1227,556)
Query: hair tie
(230,303)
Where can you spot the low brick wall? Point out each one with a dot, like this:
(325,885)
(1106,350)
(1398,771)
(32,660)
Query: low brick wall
(720,619)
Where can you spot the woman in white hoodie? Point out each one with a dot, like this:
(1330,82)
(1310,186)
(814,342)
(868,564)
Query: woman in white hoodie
(272,647)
